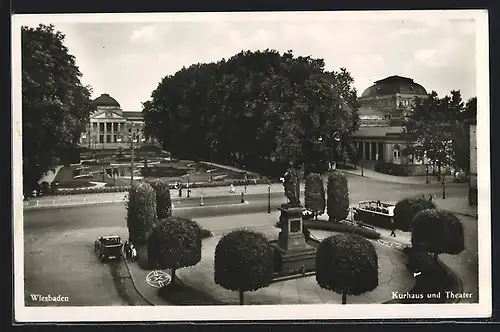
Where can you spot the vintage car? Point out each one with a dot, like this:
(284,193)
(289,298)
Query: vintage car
(375,213)
(108,247)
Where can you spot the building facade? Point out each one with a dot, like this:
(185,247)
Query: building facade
(110,127)
(381,114)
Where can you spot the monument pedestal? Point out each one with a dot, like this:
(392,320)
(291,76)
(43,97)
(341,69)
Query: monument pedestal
(295,254)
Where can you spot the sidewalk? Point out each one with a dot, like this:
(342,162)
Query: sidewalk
(371,174)
(105,198)
(458,205)
(393,276)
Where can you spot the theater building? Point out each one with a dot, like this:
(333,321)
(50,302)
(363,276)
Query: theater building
(381,115)
(110,127)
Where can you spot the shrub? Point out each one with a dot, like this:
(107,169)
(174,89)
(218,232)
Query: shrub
(163,201)
(175,243)
(45,188)
(437,232)
(244,261)
(392,169)
(338,196)
(341,227)
(53,187)
(141,212)
(406,209)
(315,194)
(205,233)
(347,264)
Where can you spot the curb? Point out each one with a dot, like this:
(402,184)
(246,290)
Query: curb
(462,213)
(132,278)
(43,207)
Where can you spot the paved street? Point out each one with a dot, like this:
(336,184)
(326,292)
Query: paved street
(58,242)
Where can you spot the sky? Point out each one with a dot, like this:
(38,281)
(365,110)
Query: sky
(128,57)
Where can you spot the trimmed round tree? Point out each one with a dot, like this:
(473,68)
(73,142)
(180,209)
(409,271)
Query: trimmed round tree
(347,264)
(141,212)
(175,243)
(338,196)
(163,200)
(315,194)
(437,232)
(407,208)
(244,262)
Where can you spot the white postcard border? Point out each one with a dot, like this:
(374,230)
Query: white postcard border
(271,312)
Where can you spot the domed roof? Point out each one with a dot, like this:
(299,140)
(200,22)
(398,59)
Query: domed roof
(392,85)
(106,100)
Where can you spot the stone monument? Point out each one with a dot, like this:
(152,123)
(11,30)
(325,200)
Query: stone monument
(295,254)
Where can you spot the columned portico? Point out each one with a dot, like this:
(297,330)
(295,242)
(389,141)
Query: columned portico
(111,127)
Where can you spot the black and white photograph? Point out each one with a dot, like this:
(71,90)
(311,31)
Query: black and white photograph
(251,166)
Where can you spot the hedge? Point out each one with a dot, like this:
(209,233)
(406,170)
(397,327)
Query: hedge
(437,232)
(205,233)
(315,194)
(338,196)
(392,169)
(193,185)
(347,264)
(341,227)
(407,208)
(244,261)
(141,213)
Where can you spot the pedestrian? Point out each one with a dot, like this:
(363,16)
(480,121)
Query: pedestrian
(231,189)
(430,198)
(126,249)
(133,252)
(393,228)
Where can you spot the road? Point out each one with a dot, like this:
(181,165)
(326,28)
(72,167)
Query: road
(58,243)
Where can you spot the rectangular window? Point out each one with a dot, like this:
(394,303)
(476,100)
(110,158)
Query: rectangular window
(101,127)
(108,138)
(108,126)
(101,138)
(115,138)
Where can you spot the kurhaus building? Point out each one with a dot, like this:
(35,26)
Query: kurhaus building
(382,113)
(110,127)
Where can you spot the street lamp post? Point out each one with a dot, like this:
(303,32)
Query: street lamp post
(212,156)
(335,137)
(268,198)
(133,139)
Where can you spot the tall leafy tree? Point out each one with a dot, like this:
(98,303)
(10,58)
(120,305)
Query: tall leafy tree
(431,125)
(55,104)
(261,107)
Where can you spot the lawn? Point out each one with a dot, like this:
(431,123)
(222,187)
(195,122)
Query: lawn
(173,171)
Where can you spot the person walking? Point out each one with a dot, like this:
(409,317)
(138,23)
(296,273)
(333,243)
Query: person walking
(393,228)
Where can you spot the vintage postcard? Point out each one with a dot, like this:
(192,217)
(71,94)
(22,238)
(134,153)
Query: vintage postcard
(251,166)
